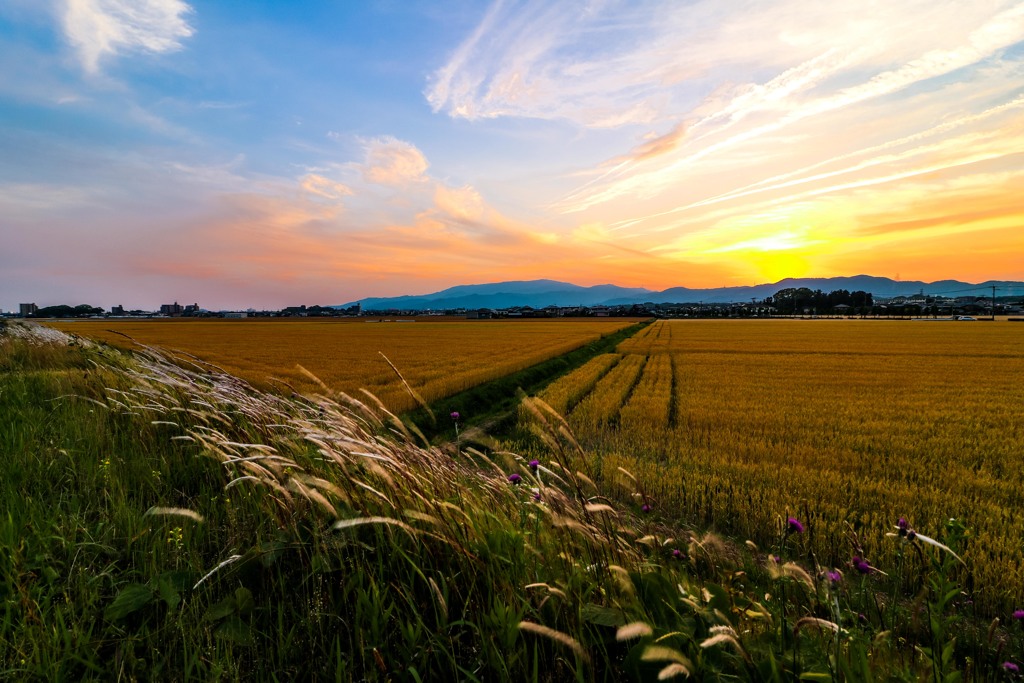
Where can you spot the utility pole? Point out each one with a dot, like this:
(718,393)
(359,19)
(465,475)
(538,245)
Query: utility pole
(993,302)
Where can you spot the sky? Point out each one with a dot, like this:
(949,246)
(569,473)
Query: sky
(265,154)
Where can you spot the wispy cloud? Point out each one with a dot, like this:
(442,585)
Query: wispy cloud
(713,89)
(324,187)
(551,60)
(16,198)
(102,29)
(389,161)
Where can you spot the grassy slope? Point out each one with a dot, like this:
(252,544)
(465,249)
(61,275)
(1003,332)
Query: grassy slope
(439,563)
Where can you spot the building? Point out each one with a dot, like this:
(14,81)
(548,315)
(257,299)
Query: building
(117,310)
(171,309)
(236,314)
(27,309)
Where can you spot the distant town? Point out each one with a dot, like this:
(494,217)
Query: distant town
(800,302)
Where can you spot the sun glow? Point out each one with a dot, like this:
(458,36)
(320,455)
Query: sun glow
(774,266)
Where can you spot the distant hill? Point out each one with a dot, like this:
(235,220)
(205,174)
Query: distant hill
(541,293)
(535,293)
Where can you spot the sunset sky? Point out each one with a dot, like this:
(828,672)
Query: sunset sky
(268,153)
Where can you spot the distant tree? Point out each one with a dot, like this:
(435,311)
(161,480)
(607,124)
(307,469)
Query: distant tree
(65,311)
(794,301)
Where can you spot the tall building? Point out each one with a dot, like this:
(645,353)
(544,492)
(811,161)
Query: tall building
(27,309)
(170,309)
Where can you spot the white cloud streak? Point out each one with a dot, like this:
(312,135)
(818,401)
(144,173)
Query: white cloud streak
(103,29)
(723,80)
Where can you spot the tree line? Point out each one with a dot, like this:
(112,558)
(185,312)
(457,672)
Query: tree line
(65,311)
(799,300)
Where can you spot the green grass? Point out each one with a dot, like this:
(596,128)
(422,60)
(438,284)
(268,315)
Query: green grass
(311,539)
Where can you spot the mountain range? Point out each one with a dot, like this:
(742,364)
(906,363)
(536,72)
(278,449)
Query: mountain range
(541,293)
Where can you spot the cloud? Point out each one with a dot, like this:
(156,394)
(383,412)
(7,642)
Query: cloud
(545,60)
(31,197)
(617,63)
(656,145)
(389,161)
(324,187)
(101,29)
(942,205)
(464,205)
(713,100)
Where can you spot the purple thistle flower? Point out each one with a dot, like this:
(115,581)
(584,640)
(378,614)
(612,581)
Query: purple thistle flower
(902,526)
(776,559)
(861,565)
(645,508)
(536,496)
(514,478)
(1011,667)
(834,577)
(677,553)
(794,526)
(911,535)
(534,464)
(1018,614)
(455,415)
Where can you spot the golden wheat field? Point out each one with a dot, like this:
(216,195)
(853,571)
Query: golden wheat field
(438,359)
(846,424)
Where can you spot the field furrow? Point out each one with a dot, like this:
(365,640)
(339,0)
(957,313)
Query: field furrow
(650,404)
(601,406)
(565,393)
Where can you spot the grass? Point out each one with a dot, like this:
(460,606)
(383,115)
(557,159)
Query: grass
(170,523)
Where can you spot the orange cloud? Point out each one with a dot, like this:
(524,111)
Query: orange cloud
(973,257)
(324,187)
(655,146)
(284,249)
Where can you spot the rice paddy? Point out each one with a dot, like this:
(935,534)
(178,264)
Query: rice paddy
(850,424)
(437,359)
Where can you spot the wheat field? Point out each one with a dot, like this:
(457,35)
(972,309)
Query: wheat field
(438,359)
(849,424)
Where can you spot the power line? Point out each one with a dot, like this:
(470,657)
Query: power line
(960,291)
